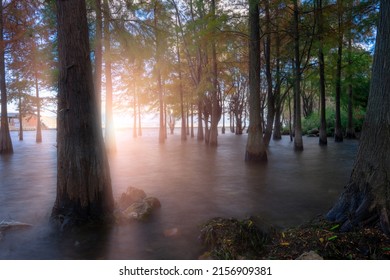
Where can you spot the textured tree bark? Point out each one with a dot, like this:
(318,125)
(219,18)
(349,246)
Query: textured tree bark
(323,140)
(255,147)
(5,137)
(84,192)
(366,198)
(298,142)
(268,71)
(215,116)
(277,135)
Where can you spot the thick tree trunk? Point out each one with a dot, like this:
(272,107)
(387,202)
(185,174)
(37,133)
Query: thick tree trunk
(255,147)
(84,192)
(298,141)
(366,199)
(323,139)
(5,137)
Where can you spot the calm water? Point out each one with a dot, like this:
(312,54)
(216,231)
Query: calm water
(193,182)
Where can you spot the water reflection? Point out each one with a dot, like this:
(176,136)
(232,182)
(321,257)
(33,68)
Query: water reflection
(193,182)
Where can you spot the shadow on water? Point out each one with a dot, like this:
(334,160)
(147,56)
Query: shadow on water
(193,182)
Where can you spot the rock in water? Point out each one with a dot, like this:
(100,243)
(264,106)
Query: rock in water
(142,209)
(6,225)
(130,196)
(133,205)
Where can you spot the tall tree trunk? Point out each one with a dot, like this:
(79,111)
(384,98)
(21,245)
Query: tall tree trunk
(192,120)
(38,104)
(84,192)
(278,100)
(338,133)
(98,54)
(200,135)
(20,115)
(350,133)
(366,198)
(298,142)
(38,137)
(255,147)
(188,117)
(162,129)
(139,117)
(135,111)
(323,139)
(5,137)
(213,139)
(183,132)
(109,128)
(268,73)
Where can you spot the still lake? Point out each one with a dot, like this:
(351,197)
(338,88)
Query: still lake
(193,182)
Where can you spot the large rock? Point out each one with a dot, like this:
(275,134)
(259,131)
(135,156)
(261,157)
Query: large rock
(130,196)
(133,205)
(141,210)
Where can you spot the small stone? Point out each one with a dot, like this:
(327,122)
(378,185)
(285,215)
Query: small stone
(310,256)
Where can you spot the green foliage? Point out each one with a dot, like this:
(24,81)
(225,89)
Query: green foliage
(313,121)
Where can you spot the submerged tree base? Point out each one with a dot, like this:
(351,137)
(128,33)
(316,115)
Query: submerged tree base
(256,157)
(68,218)
(229,240)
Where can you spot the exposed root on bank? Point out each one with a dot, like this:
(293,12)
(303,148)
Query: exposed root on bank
(357,209)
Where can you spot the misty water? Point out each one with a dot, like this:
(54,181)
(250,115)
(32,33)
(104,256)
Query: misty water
(193,182)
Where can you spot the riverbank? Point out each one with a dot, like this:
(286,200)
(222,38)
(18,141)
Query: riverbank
(318,236)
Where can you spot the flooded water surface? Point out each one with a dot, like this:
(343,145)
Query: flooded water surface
(193,182)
